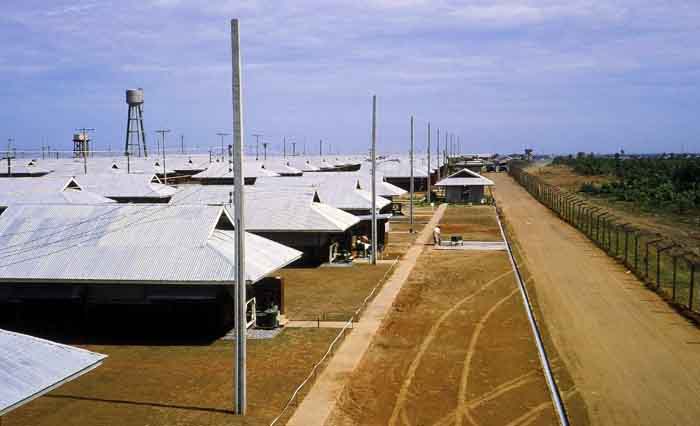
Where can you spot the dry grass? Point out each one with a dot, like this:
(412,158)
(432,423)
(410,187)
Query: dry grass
(180,385)
(473,223)
(329,293)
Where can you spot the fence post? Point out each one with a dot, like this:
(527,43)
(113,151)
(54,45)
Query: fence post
(673,282)
(626,244)
(636,252)
(692,286)
(646,261)
(658,268)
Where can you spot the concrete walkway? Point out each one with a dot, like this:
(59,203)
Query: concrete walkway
(319,403)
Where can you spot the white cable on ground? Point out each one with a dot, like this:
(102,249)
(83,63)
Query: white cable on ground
(544,360)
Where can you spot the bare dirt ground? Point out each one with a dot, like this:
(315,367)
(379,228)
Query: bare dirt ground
(328,293)
(633,359)
(321,400)
(179,385)
(456,349)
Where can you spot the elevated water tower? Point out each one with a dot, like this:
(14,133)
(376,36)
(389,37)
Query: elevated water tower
(81,144)
(135,134)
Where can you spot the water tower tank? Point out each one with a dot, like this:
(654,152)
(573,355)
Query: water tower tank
(134,96)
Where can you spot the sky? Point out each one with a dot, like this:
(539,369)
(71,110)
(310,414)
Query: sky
(557,76)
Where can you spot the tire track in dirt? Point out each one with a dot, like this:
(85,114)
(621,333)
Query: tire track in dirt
(464,382)
(403,393)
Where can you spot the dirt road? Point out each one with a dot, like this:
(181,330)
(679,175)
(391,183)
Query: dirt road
(633,359)
(456,349)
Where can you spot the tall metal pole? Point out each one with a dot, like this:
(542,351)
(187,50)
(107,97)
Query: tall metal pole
(239,246)
(162,137)
(429,171)
(221,135)
(284,146)
(257,146)
(411,181)
(445,148)
(437,155)
(320,148)
(182,144)
(373,259)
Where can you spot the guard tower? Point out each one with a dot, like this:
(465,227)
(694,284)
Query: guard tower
(81,144)
(135,134)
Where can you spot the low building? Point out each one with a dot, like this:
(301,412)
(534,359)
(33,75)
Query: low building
(220,173)
(465,186)
(127,187)
(127,254)
(295,218)
(46,190)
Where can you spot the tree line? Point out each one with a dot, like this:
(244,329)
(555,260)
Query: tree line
(660,183)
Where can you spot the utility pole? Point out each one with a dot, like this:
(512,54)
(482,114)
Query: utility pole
(162,137)
(265,150)
(9,157)
(239,247)
(373,259)
(411,181)
(84,151)
(221,135)
(437,154)
(445,148)
(429,171)
(85,147)
(257,145)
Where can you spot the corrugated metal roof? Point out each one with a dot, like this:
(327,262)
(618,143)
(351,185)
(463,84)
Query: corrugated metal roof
(335,189)
(222,169)
(30,367)
(284,210)
(120,185)
(121,243)
(24,167)
(399,168)
(465,177)
(45,190)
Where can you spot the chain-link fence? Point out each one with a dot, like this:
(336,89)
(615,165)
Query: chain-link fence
(662,264)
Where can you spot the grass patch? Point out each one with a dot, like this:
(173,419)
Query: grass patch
(329,293)
(180,385)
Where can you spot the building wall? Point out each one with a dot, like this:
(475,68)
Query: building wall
(419,183)
(457,194)
(314,245)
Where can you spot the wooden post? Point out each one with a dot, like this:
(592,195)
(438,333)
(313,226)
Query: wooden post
(673,283)
(636,252)
(691,289)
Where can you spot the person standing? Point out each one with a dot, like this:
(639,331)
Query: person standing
(436,235)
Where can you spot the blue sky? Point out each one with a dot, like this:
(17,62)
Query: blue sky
(555,75)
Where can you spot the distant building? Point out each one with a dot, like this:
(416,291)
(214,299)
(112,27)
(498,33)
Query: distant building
(465,186)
